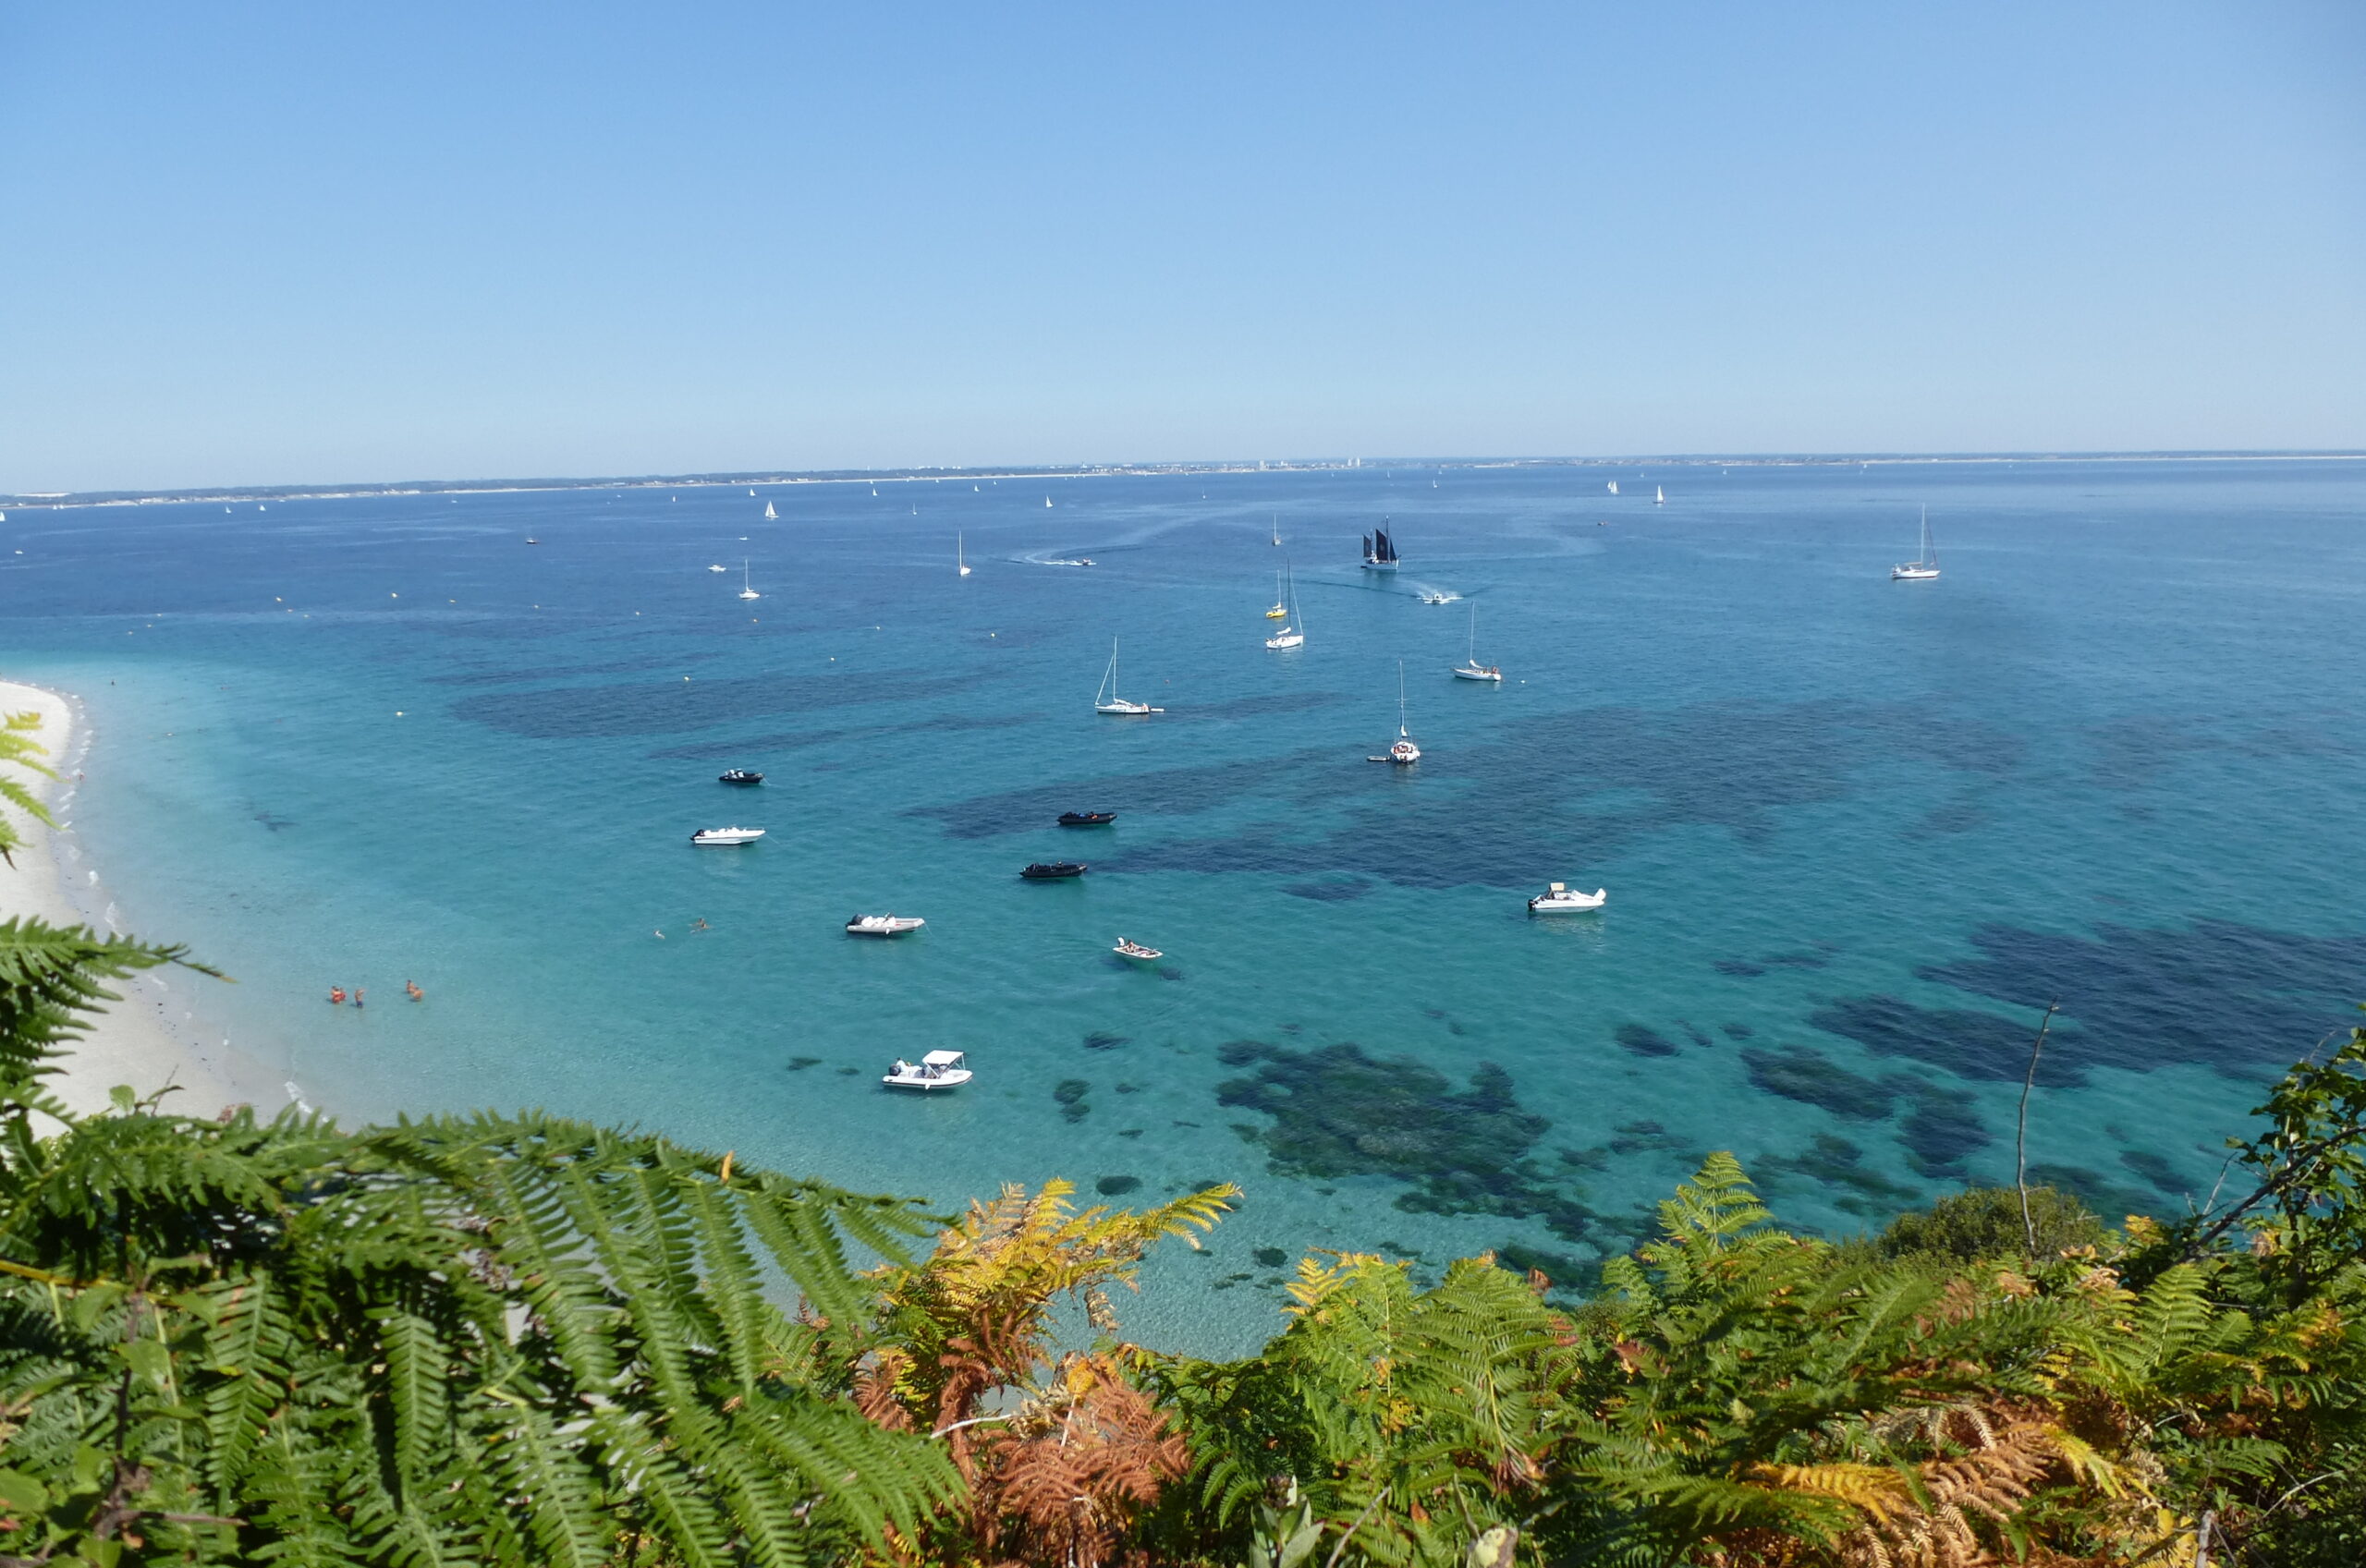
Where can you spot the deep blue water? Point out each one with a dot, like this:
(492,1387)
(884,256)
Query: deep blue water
(1856,833)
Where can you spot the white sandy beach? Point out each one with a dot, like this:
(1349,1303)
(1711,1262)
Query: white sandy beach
(135,1041)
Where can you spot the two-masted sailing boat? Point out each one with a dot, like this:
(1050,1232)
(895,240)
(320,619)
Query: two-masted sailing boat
(1924,567)
(961,559)
(1106,699)
(1470,669)
(1404,752)
(1380,551)
(746,588)
(1293,632)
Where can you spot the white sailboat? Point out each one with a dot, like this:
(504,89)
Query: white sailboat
(1106,699)
(746,588)
(1293,632)
(1047,501)
(1924,567)
(1404,752)
(1277,530)
(1470,669)
(961,559)
(1281,610)
(770,516)
(1613,487)
(1659,495)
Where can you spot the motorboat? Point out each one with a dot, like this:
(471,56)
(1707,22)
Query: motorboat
(1052,870)
(883,925)
(1087,819)
(1560,900)
(1380,552)
(739,776)
(1924,567)
(1470,669)
(725,837)
(1437,597)
(938,1069)
(1127,948)
(1106,700)
(718,568)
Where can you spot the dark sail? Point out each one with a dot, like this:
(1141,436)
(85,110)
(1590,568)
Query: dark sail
(1382,549)
(1368,554)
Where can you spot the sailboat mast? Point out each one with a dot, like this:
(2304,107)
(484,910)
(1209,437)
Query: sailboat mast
(1401,731)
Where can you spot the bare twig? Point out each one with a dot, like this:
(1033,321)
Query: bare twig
(2021,1127)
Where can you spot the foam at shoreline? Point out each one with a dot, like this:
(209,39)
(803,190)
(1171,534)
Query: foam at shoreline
(147,1039)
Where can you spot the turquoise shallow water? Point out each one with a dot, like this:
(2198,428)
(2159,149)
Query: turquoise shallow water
(1856,833)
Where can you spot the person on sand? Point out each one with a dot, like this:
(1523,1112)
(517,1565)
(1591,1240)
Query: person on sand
(336,996)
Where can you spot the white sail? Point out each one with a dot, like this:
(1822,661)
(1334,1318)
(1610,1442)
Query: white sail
(770,516)
(1659,495)
(959,558)
(1613,487)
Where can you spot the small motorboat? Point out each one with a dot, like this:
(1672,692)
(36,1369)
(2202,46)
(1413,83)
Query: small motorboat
(1560,900)
(1438,598)
(1087,819)
(725,837)
(1129,949)
(938,1069)
(739,776)
(530,541)
(1052,870)
(718,568)
(883,925)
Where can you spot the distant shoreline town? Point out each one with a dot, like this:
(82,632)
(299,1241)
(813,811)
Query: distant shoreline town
(61,500)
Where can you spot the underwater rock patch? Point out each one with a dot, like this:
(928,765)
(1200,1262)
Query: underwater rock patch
(1642,1041)
(2154,1169)
(1813,1078)
(1070,1093)
(1336,1110)
(1116,1186)
(2099,1192)
(1939,1136)
(1330,892)
(1099,1042)
(1836,1161)
(1969,1044)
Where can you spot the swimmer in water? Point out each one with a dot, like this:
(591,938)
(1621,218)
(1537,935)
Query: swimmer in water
(412,987)
(336,996)
(700,925)
(356,996)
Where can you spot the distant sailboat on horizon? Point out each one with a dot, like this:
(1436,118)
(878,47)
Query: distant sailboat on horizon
(961,559)
(770,516)
(1659,495)
(1613,487)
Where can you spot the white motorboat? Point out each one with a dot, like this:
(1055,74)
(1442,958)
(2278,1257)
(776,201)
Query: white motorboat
(1404,752)
(746,588)
(725,837)
(883,925)
(718,568)
(1560,900)
(938,1069)
(1106,699)
(1127,948)
(1924,566)
(1470,669)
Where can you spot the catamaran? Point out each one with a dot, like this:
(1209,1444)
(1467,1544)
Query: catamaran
(1470,669)
(1380,552)
(1924,567)
(959,559)
(1404,752)
(746,588)
(1293,632)
(1106,699)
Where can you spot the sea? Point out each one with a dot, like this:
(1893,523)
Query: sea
(1857,835)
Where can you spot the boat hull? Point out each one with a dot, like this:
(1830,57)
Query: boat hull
(1057,870)
(1568,902)
(952,1078)
(1913,573)
(883,925)
(1465,672)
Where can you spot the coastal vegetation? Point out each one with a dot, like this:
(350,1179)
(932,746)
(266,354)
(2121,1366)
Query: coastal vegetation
(513,1340)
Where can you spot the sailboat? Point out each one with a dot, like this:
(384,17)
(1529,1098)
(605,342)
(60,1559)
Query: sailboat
(1613,487)
(961,559)
(1277,531)
(1293,632)
(1380,551)
(770,516)
(1281,610)
(1106,699)
(1924,567)
(746,590)
(1404,752)
(1659,495)
(1470,669)
(1047,501)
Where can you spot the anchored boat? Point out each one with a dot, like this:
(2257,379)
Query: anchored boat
(938,1069)
(1127,948)
(725,837)
(1052,870)
(1924,567)
(1087,819)
(739,776)
(1561,900)
(883,925)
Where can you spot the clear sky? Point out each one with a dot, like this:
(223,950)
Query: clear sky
(307,242)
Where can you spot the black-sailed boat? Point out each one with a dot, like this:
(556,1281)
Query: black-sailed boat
(739,776)
(1052,870)
(1380,552)
(1087,819)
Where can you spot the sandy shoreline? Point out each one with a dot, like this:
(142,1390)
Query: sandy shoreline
(144,1039)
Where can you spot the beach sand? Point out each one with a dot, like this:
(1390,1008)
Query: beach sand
(136,1040)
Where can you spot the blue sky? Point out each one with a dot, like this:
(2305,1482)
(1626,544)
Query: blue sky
(250,244)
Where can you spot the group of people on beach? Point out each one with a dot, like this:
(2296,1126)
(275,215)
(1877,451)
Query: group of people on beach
(338,997)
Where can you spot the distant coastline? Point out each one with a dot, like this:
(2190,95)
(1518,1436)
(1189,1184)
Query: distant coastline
(264,494)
